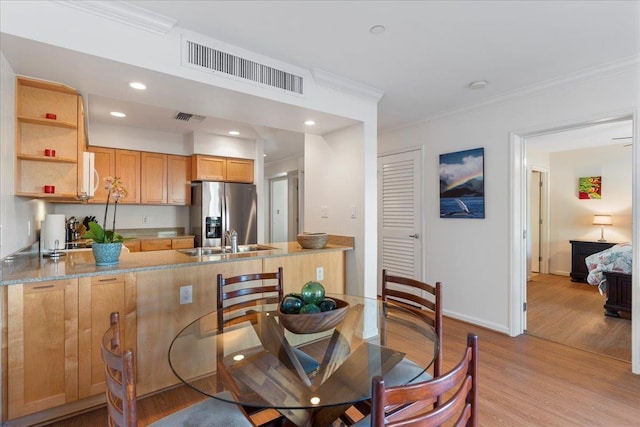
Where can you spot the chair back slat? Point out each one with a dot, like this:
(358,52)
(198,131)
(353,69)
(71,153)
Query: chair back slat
(412,405)
(120,377)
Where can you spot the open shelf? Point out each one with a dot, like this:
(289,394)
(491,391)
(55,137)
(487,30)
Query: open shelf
(47,122)
(37,158)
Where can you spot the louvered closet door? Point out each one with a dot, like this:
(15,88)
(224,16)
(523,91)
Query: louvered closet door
(400,213)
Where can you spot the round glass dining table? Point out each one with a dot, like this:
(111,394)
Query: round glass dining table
(262,364)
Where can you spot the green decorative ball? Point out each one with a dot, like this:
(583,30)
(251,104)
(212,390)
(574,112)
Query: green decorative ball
(312,293)
(310,308)
(291,304)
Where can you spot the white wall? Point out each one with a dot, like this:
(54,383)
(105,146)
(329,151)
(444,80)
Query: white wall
(471,256)
(132,138)
(20,217)
(571,217)
(333,180)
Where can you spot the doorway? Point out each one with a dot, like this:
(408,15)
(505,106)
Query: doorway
(557,308)
(283,207)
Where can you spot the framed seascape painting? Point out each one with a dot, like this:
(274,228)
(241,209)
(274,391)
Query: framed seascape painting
(462,184)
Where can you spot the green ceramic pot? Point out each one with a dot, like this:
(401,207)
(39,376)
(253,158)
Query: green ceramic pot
(106,253)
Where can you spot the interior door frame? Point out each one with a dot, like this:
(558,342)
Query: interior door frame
(518,217)
(545,214)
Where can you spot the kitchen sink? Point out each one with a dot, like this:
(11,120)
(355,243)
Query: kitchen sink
(218,250)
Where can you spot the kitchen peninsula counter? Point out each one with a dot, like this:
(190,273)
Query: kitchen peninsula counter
(32,267)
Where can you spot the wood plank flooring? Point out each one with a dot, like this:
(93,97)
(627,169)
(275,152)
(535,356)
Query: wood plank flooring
(523,381)
(571,313)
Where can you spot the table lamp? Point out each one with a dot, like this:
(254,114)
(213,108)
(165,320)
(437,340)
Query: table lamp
(602,220)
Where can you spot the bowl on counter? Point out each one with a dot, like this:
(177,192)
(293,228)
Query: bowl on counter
(313,240)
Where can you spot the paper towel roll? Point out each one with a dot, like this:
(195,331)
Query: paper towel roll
(54,229)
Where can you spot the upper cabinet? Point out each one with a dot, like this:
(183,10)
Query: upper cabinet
(178,180)
(48,140)
(124,164)
(127,168)
(154,178)
(228,169)
(149,178)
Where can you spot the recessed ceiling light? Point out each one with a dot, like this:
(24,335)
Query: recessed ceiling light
(377,29)
(478,84)
(118,114)
(137,85)
(234,132)
(309,123)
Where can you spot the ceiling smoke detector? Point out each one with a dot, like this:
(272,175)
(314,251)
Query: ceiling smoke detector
(188,117)
(479,84)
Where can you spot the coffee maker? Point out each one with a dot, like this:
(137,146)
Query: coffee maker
(72,233)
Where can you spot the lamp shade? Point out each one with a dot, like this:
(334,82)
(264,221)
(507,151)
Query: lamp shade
(602,220)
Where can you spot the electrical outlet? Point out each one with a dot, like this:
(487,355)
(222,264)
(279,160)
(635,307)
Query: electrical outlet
(186,294)
(145,219)
(319,273)
(353,211)
(324,212)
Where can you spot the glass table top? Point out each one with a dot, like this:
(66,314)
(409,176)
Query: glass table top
(263,364)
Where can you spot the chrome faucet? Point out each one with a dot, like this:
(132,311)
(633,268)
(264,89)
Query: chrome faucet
(231,236)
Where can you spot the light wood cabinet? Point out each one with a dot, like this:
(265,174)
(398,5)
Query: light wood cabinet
(105,165)
(42,346)
(154,178)
(133,245)
(155,244)
(182,242)
(54,330)
(150,178)
(124,164)
(208,168)
(228,169)
(239,170)
(300,269)
(36,133)
(99,296)
(127,168)
(178,180)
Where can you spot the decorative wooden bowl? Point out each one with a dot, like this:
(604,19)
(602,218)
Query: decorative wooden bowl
(313,240)
(314,322)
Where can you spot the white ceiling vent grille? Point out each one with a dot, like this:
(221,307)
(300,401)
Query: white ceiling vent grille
(205,57)
(188,117)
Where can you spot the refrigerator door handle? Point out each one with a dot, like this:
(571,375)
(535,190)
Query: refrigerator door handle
(225,212)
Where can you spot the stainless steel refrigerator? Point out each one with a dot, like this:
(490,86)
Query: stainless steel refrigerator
(217,207)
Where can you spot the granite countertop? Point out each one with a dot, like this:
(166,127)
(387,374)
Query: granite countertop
(32,267)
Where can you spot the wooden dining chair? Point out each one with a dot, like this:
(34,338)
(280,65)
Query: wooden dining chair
(413,404)
(421,298)
(120,376)
(231,303)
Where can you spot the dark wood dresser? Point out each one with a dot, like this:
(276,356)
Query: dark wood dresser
(581,249)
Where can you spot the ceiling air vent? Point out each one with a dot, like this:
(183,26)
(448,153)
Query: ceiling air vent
(187,117)
(208,58)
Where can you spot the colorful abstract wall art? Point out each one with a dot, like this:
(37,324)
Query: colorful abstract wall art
(590,187)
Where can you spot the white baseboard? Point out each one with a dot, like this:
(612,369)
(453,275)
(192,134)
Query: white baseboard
(489,325)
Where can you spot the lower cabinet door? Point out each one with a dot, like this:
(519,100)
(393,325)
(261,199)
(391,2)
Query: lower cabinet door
(99,296)
(42,346)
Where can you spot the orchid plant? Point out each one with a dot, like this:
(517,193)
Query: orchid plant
(98,233)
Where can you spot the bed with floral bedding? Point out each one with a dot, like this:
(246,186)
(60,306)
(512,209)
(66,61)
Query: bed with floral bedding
(610,270)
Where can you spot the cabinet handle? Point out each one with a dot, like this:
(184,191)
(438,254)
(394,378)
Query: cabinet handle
(108,280)
(43,287)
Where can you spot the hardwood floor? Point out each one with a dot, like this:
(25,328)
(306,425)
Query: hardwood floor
(523,381)
(571,313)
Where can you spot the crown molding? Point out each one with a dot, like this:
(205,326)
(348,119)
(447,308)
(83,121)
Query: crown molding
(590,73)
(331,80)
(125,13)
